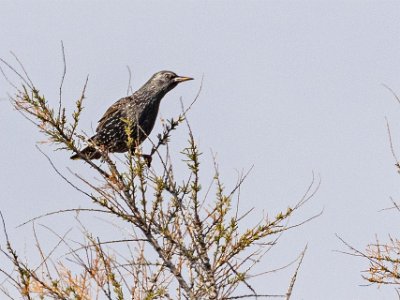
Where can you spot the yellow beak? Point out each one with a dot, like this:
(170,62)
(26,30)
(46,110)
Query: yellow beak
(182,79)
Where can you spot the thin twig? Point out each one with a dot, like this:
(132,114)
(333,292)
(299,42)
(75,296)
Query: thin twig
(62,79)
(294,277)
(129,90)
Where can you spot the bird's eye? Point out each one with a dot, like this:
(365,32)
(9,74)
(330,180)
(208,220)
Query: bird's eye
(168,75)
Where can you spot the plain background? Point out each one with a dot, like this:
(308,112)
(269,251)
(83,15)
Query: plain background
(291,87)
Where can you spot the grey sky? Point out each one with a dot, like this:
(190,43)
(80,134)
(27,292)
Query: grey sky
(291,87)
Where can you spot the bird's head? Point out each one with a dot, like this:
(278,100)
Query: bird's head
(164,81)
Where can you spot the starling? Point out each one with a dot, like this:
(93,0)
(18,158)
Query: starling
(138,110)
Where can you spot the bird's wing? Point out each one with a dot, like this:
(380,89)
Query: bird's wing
(111,112)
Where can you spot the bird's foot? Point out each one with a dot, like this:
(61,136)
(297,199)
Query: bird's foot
(148,159)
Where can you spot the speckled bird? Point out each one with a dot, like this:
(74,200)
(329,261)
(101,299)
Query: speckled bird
(139,110)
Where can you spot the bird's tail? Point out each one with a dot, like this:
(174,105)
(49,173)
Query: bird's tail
(89,152)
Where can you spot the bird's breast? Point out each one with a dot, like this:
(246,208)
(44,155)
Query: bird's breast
(148,117)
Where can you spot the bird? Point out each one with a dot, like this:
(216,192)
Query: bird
(139,110)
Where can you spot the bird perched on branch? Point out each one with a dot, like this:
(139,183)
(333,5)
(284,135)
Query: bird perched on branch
(135,114)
